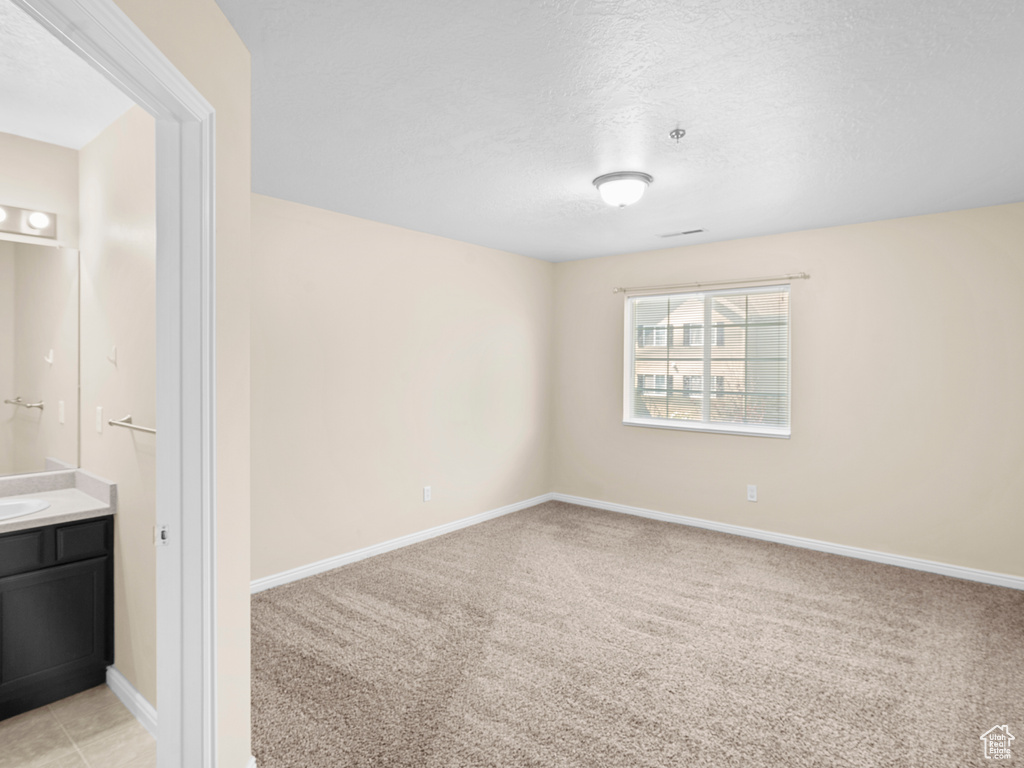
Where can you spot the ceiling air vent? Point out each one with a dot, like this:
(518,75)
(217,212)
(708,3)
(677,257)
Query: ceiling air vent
(687,232)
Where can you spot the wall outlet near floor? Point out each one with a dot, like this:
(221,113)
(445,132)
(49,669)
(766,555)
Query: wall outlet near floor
(426,493)
(751,493)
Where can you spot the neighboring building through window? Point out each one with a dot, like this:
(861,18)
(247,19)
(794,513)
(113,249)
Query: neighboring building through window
(712,360)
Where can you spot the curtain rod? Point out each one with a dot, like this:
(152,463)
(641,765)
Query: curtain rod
(706,283)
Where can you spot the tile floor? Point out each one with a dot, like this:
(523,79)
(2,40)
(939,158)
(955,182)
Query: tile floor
(91,729)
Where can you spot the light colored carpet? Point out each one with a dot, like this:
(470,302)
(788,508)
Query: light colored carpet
(565,636)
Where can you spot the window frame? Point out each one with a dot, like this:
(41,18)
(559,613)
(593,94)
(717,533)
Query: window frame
(726,428)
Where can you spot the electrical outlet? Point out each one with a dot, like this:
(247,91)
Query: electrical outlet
(426,493)
(751,493)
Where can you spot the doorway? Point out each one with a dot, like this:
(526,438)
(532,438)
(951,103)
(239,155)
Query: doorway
(99,32)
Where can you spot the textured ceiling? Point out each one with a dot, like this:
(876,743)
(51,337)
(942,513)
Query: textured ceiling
(47,92)
(486,121)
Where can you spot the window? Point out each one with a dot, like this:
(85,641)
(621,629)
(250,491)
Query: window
(653,384)
(654,336)
(693,335)
(714,361)
(719,331)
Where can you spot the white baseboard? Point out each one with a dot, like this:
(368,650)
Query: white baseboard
(917,564)
(137,704)
(133,701)
(304,571)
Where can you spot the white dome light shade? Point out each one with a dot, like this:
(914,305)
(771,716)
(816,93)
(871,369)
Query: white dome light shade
(38,220)
(622,188)
(3,214)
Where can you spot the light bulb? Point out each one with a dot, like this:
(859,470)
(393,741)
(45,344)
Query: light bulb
(38,220)
(3,214)
(622,188)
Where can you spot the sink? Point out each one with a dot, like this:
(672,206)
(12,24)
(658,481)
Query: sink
(19,507)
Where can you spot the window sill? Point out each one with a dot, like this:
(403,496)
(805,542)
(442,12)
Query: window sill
(721,429)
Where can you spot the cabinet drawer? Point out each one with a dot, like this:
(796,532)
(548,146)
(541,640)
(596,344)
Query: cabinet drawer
(22,552)
(77,542)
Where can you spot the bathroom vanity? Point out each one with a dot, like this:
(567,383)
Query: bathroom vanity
(56,600)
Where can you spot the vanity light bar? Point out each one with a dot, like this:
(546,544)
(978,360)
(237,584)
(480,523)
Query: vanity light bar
(23,221)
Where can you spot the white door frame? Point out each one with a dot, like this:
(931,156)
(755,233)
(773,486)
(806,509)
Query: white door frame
(103,35)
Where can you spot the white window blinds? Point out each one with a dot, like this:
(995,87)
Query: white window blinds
(709,360)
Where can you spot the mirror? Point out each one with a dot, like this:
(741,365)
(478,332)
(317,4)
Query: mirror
(39,291)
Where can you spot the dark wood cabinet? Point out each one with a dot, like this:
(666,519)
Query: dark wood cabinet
(56,612)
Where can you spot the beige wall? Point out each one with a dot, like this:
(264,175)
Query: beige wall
(196,37)
(44,177)
(385,360)
(118,244)
(45,321)
(376,349)
(907,362)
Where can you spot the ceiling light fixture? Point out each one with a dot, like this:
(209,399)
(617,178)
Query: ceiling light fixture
(25,221)
(623,187)
(38,220)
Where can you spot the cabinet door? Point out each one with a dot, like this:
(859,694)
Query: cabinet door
(53,626)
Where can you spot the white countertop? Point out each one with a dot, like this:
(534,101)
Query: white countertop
(66,506)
